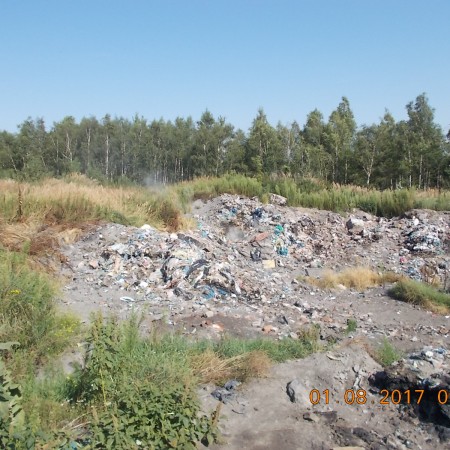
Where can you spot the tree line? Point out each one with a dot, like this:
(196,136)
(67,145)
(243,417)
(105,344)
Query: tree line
(408,153)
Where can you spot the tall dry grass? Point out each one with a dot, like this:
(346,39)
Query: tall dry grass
(359,278)
(38,217)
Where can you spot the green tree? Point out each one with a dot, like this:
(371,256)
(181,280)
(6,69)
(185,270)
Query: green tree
(339,133)
(9,160)
(367,150)
(263,149)
(211,140)
(64,140)
(319,161)
(32,149)
(89,136)
(425,144)
(234,160)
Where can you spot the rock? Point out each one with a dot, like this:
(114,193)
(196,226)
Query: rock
(279,200)
(311,417)
(93,264)
(260,237)
(269,329)
(298,393)
(354,222)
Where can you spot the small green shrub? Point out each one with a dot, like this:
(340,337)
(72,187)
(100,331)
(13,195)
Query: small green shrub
(136,393)
(27,310)
(351,326)
(387,353)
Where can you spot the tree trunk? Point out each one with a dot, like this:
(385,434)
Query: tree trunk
(107,157)
(88,135)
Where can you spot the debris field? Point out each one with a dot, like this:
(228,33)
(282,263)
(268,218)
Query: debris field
(243,270)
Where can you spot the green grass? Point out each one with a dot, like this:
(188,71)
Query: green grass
(77,199)
(351,326)
(131,387)
(278,351)
(387,353)
(27,310)
(421,294)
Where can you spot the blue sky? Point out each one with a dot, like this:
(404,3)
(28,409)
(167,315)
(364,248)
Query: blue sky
(177,58)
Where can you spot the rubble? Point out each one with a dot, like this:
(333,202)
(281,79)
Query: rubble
(247,255)
(427,372)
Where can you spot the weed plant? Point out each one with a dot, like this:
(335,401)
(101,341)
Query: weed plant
(78,199)
(421,294)
(140,392)
(387,353)
(351,326)
(27,310)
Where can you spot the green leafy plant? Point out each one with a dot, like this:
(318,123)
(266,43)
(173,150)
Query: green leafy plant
(351,326)
(387,353)
(12,417)
(129,408)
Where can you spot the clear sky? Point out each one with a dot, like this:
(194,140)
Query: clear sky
(172,58)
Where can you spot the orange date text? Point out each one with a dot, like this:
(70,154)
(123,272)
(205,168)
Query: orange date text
(359,397)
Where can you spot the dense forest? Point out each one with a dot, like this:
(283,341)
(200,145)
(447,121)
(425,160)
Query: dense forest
(410,153)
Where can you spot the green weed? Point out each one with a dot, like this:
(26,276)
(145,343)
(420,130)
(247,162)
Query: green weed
(387,353)
(27,310)
(421,294)
(351,326)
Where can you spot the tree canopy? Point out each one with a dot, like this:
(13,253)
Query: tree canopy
(389,154)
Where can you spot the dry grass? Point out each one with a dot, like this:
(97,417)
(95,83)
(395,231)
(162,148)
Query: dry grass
(79,200)
(209,367)
(359,278)
(38,218)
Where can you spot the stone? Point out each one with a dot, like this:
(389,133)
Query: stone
(260,237)
(276,199)
(298,392)
(354,222)
(269,329)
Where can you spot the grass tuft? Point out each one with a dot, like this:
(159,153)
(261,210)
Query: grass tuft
(351,326)
(422,294)
(387,353)
(27,311)
(359,278)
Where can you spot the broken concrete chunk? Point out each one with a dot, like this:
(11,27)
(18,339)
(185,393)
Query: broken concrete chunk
(93,264)
(354,222)
(279,200)
(298,393)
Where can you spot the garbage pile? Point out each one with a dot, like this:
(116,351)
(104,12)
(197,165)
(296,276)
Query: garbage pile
(243,252)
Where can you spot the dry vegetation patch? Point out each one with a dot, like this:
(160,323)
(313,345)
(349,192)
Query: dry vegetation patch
(211,368)
(57,202)
(360,278)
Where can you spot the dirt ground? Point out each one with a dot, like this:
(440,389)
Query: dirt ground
(209,282)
